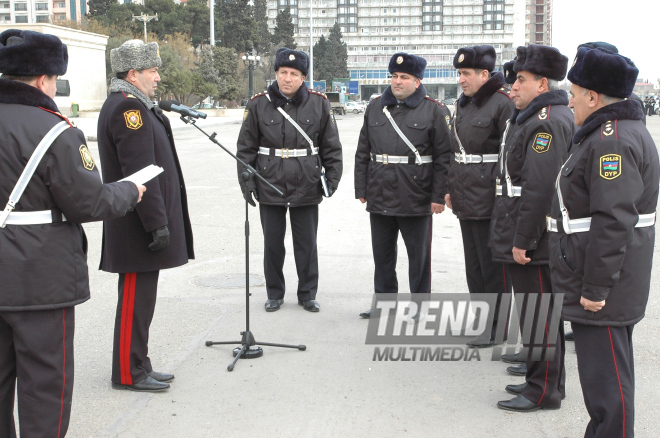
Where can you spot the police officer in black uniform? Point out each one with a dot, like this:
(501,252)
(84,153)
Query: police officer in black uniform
(536,142)
(479,121)
(280,152)
(43,248)
(403,185)
(133,134)
(603,233)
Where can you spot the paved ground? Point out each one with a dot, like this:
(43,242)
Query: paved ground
(332,389)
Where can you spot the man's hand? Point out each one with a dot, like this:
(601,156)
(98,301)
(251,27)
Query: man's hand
(520,255)
(448,201)
(161,238)
(331,190)
(592,306)
(437,208)
(248,193)
(363,200)
(141,190)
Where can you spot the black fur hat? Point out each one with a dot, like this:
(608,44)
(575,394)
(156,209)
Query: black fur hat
(29,53)
(509,75)
(541,60)
(603,72)
(285,57)
(407,63)
(479,57)
(600,45)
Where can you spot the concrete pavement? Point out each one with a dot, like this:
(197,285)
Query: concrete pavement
(334,388)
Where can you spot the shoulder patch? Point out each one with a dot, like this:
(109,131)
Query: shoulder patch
(87,160)
(427,97)
(506,91)
(610,166)
(260,94)
(133,119)
(542,142)
(318,93)
(608,129)
(245,114)
(448,120)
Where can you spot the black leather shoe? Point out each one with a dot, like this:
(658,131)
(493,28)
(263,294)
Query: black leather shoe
(273,305)
(517,370)
(515,389)
(512,358)
(161,377)
(310,305)
(480,342)
(148,384)
(568,336)
(518,404)
(366,315)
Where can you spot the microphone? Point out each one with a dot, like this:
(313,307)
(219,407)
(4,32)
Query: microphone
(175,105)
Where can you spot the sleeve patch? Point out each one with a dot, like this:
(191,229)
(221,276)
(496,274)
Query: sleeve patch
(133,119)
(542,142)
(245,114)
(610,166)
(87,160)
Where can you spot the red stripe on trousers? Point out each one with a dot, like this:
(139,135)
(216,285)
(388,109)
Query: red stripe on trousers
(547,362)
(623,403)
(59,426)
(126,329)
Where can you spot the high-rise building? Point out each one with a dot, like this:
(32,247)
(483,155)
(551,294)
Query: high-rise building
(373,30)
(41,11)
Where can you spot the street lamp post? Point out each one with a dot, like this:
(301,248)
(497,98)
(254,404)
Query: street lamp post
(145,19)
(251,62)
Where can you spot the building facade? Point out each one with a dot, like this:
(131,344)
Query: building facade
(41,11)
(373,30)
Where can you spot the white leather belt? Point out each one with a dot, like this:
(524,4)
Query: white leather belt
(475,159)
(394,159)
(31,217)
(583,224)
(515,191)
(287,153)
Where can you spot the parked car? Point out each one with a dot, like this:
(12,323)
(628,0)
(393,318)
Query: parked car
(203,105)
(449,101)
(355,107)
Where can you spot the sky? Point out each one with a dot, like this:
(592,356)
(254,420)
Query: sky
(633,26)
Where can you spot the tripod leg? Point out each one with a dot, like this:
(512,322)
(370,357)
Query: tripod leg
(238,356)
(270,344)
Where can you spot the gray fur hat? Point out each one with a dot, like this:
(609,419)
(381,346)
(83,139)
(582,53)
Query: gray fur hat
(135,55)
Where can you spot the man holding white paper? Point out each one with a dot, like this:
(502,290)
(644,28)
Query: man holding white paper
(134,134)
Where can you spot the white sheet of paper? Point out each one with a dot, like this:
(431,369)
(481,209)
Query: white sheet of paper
(144,175)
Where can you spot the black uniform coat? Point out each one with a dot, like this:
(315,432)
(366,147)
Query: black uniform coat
(45,266)
(536,146)
(480,121)
(130,138)
(299,178)
(403,189)
(612,261)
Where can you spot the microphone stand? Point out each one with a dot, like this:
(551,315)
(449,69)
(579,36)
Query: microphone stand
(248,345)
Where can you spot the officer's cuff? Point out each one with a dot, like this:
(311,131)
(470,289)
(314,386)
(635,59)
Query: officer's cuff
(360,194)
(438,199)
(595,293)
(524,242)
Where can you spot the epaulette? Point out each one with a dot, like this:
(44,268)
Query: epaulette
(544,114)
(128,96)
(427,97)
(60,115)
(318,92)
(260,94)
(608,128)
(506,91)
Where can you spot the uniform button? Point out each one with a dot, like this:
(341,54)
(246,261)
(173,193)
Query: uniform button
(414,177)
(288,203)
(415,124)
(271,121)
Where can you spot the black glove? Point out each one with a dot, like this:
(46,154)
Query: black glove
(248,193)
(161,238)
(331,190)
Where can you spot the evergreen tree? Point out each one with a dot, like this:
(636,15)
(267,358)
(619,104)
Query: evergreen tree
(284,29)
(99,7)
(238,26)
(263,42)
(331,57)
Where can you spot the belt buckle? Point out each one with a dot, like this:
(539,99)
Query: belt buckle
(386,159)
(287,153)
